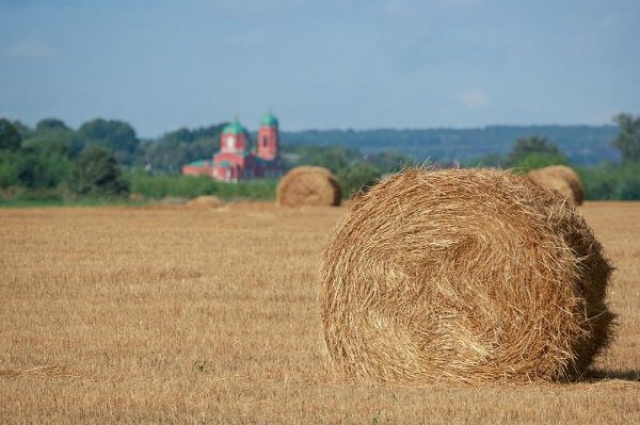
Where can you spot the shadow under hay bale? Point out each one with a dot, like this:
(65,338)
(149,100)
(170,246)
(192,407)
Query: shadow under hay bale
(549,177)
(466,275)
(309,186)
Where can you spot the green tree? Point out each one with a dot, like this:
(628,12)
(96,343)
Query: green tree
(53,136)
(39,170)
(526,146)
(358,177)
(48,124)
(389,161)
(22,129)
(174,149)
(96,173)
(628,140)
(629,190)
(628,187)
(58,144)
(334,158)
(117,136)
(9,137)
(181,135)
(538,160)
(10,164)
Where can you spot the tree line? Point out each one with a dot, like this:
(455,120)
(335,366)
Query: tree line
(584,145)
(105,159)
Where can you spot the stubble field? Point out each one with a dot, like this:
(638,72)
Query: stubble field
(209,316)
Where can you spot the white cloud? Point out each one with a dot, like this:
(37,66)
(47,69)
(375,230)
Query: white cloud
(474,99)
(32,48)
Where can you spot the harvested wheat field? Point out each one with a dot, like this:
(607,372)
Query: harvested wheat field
(211,315)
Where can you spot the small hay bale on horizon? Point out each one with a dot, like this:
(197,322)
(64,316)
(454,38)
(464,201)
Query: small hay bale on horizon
(549,177)
(309,186)
(205,202)
(465,275)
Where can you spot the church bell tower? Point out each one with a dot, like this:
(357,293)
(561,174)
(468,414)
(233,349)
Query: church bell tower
(268,138)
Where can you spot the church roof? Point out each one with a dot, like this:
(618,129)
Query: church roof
(199,163)
(269,120)
(234,128)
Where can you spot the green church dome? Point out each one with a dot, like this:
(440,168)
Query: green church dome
(269,120)
(234,128)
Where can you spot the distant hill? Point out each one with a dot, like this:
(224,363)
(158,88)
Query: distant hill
(584,145)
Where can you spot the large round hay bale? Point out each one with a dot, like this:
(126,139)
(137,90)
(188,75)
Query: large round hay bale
(463,274)
(549,177)
(309,186)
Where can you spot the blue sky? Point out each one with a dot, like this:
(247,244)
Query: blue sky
(320,64)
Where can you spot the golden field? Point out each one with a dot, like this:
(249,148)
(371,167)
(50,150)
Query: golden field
(210,316)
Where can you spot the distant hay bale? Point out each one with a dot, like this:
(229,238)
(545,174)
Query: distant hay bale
(205,202)
(137,197)
(467,275)
(551,181)
(309,186)
(549,177)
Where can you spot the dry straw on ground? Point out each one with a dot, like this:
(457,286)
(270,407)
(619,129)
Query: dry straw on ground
(466,275)
(309,186)
(561,178)
(40,372)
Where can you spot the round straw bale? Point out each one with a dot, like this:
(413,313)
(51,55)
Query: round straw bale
(551,181)
(463,274)
(309,186)
(548,177)
(204,202)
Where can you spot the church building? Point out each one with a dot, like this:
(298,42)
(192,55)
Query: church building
(238,158)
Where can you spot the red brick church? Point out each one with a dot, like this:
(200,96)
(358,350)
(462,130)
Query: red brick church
(238,159)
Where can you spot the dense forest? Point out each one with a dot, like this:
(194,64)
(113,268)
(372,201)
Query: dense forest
(105,159)
(584,145)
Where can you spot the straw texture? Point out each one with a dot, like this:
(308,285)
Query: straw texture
(309,186)
(465,275)
(561,178)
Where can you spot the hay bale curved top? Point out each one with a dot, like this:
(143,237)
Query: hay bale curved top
(204,202)
(548,176)
(309,186)
(551,181)
(463,274)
